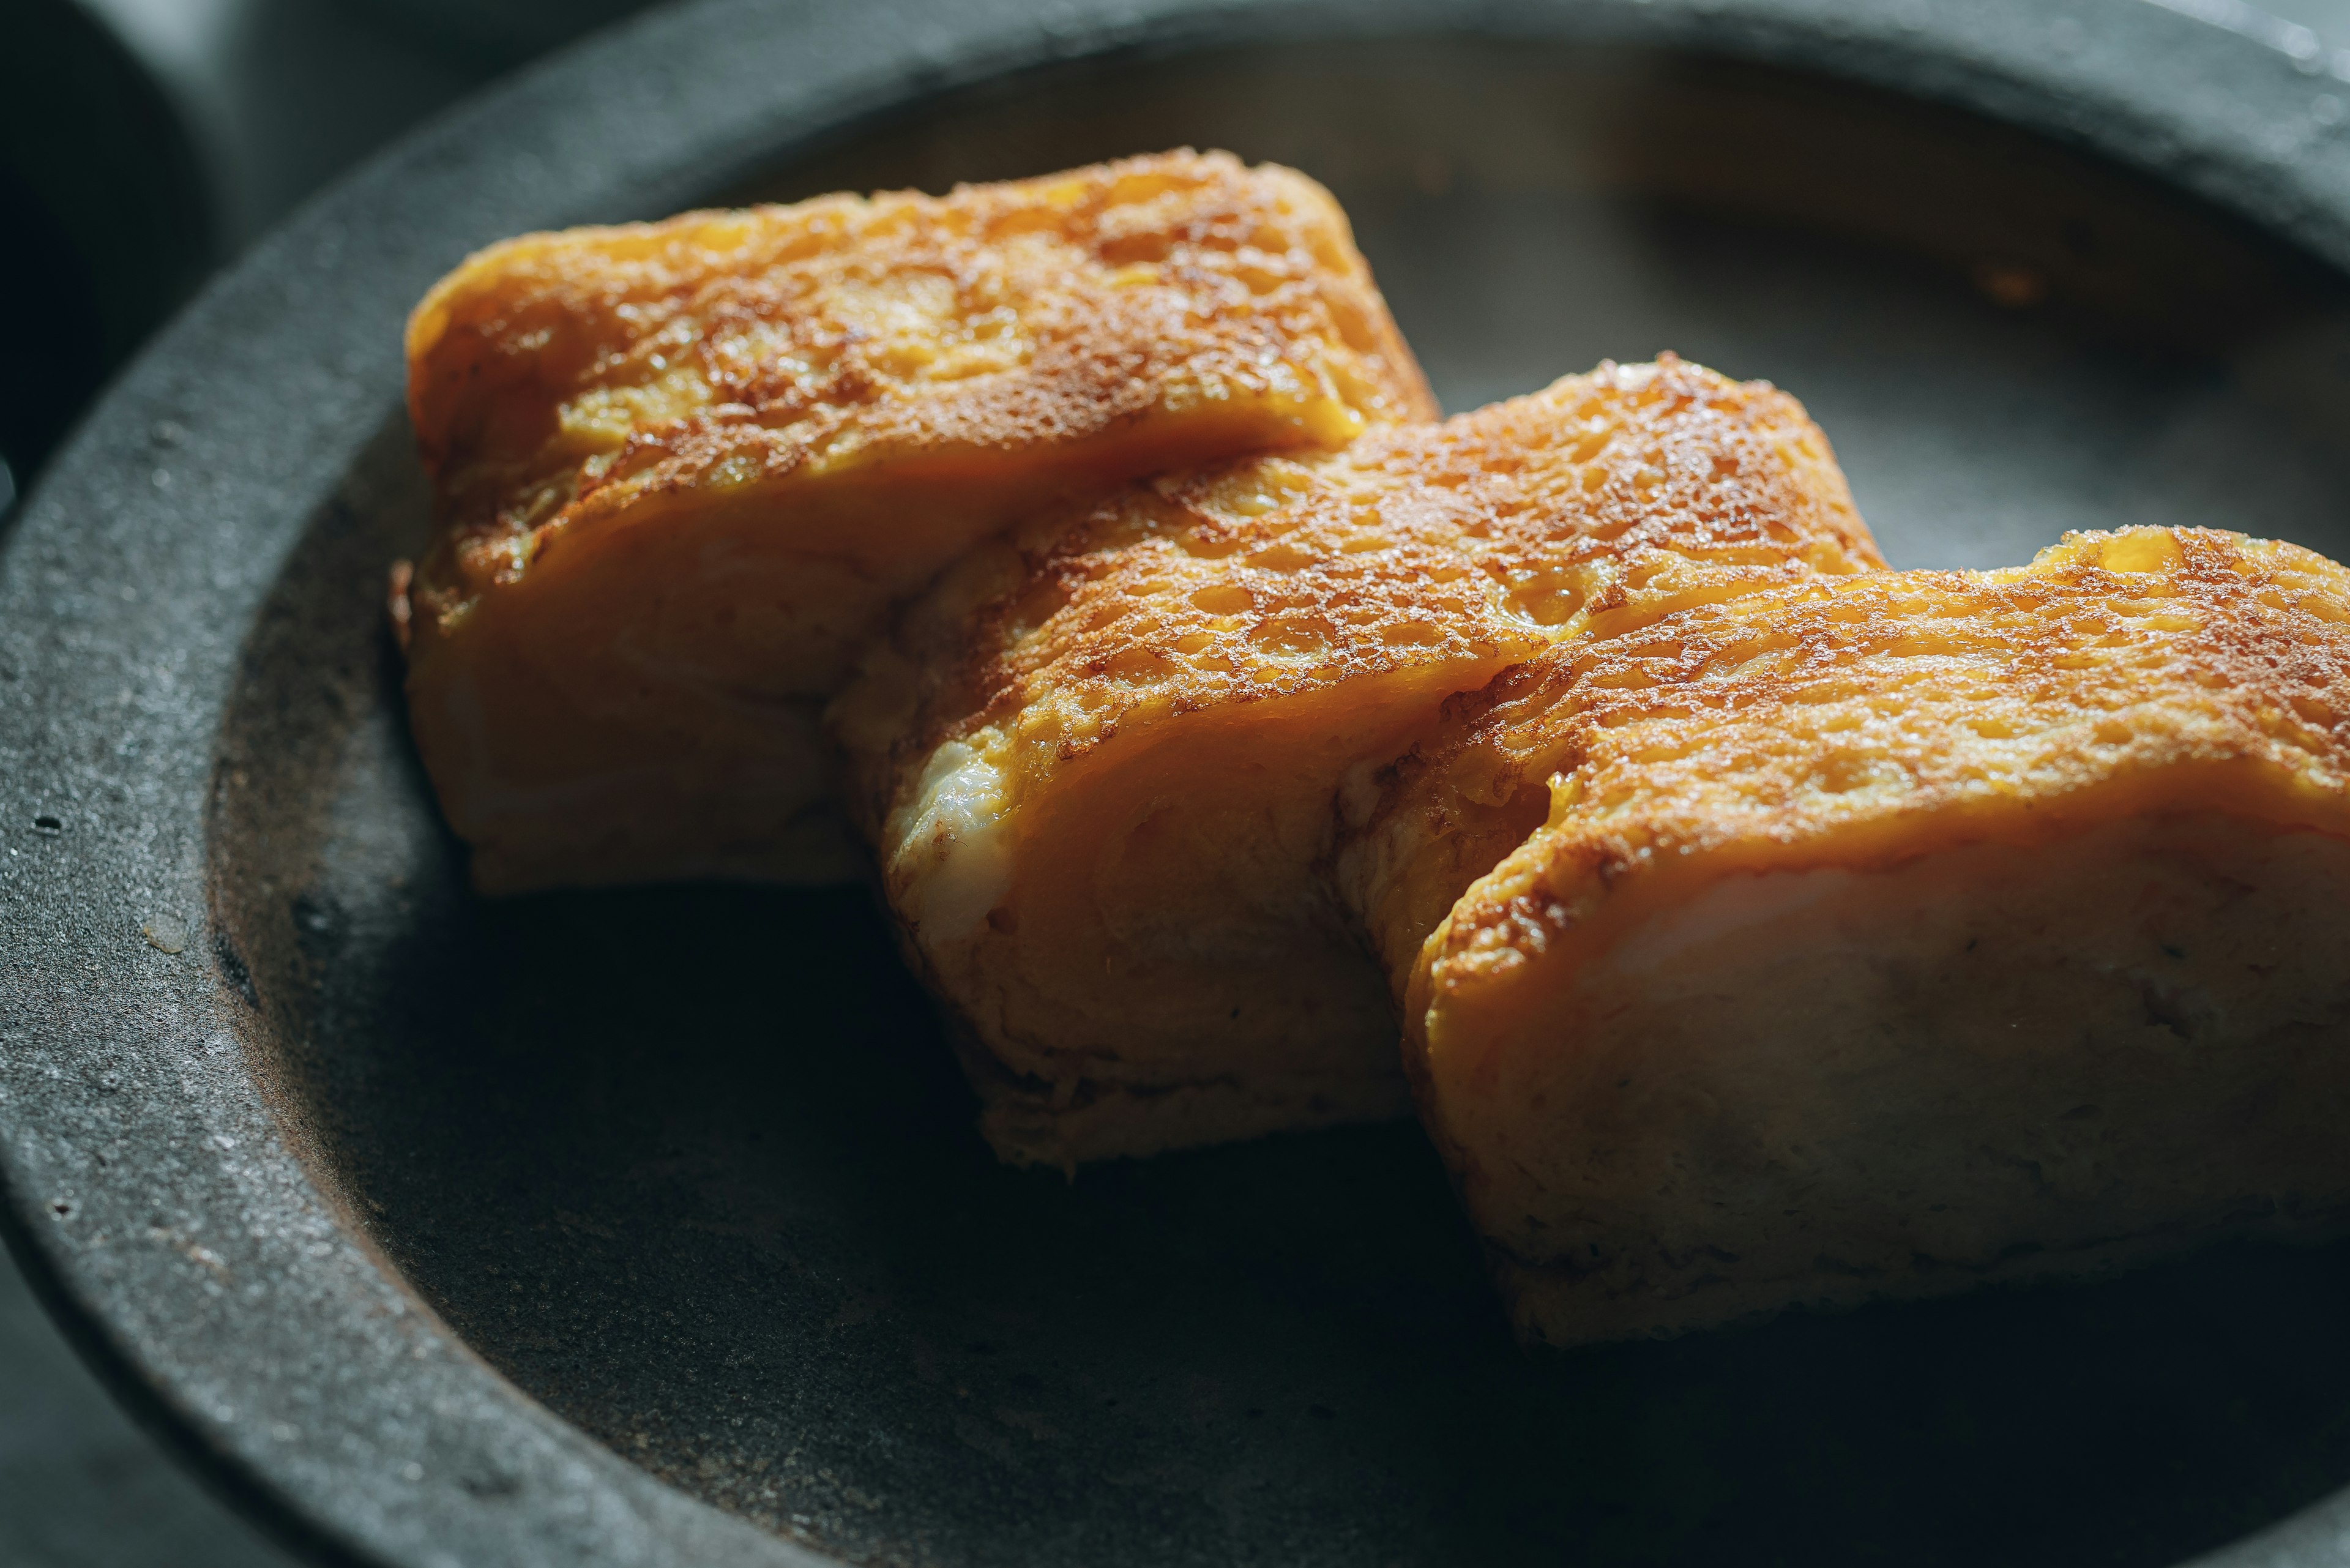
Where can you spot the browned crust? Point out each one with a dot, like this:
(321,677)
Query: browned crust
(683,470)
(1120,281)
(1707,724)
(1860,723)
(1830,719)
(1562,514)
(1212,654)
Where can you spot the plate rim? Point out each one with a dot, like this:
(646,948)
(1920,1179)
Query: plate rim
(151,1195)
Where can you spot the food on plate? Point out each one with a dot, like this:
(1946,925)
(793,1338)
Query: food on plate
(1768,927)
(1101,758)
(1882,935)
(680,469)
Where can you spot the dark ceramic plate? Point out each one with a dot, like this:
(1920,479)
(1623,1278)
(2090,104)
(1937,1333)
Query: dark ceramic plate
(650,1228)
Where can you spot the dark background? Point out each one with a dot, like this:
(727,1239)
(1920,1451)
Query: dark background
(143,143)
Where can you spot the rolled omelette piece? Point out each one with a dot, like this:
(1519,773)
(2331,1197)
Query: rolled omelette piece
(683,469)
(1884,936)
(1101,760)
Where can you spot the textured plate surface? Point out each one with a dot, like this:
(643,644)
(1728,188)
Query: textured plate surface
(651,1227)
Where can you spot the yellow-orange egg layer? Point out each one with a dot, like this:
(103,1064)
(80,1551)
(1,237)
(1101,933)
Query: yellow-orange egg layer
(682,468)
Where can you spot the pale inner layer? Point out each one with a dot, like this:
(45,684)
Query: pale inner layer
(1994,1060)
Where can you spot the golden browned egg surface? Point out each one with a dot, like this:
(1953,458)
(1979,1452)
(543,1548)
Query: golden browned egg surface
(1103,758)
(1768,927)
(682,468)
(1880,934)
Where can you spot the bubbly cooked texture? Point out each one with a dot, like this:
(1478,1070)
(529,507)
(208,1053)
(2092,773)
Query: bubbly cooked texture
(1101,758)
(682,468)
(1883,934)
